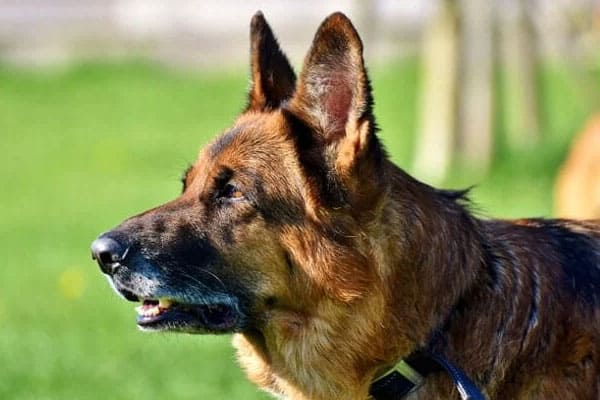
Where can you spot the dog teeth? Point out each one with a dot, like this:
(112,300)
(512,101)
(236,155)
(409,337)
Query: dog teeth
(146,311)
(149,310)
(164,303)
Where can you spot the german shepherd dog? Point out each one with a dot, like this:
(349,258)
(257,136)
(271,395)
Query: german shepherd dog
(295,232)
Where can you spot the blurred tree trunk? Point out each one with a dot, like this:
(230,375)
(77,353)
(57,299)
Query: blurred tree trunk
(519,64)
(475,141)
(435,136)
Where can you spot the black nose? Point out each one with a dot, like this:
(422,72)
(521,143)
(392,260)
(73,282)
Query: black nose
(109,253)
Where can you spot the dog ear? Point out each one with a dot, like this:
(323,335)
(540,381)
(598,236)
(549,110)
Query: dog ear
(333,98)
(333,94)
(273,79)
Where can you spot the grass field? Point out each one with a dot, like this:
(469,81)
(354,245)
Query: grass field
(84,147)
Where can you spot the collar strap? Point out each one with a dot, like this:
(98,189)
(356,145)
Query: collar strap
(409,374)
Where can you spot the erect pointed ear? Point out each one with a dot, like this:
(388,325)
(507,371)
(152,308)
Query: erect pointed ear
(273,79)
(333,97)
(333,93)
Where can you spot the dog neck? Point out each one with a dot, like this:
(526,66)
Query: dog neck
(299,356)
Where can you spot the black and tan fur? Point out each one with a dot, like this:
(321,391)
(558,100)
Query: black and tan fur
(329,263)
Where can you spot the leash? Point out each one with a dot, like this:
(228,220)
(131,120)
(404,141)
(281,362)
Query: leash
(408,375)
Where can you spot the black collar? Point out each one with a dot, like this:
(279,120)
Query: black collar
(409,374)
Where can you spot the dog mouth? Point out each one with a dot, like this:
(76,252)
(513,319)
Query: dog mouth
(169,315)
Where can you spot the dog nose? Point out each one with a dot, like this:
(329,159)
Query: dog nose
(109,253)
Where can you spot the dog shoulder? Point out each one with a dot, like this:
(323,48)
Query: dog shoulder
(568,250)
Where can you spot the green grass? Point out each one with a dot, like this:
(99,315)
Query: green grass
(85,147)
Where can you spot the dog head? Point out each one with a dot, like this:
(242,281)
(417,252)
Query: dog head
(275,213)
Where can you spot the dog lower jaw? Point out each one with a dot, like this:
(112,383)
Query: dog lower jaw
(165,315)
(208,313)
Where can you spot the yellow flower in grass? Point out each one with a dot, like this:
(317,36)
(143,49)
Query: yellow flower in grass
(72,283)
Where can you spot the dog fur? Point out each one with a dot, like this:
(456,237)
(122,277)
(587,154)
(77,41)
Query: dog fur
(339,263)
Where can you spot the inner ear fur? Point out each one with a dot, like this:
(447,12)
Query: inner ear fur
(273,79)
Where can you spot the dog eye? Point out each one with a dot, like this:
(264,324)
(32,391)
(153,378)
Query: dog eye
(232,193)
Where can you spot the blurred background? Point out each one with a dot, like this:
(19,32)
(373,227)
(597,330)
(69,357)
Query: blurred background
(103,103)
